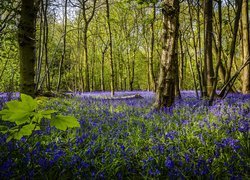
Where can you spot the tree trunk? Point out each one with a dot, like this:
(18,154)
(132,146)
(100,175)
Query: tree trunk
(246,48)
(102,69)
(208,59)
(27,46)
(195,49)
(212,95)
(165,93)
(112,83)
(40,48)
(86,58)
(64,47)
(233,43)
(46,36)
(152,44)
(87,21)
(132,71)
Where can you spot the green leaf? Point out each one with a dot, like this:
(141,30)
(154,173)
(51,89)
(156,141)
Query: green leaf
(3,129)
(47,113)
(63,122)
(9,139)
(18,116)
(29,102)
(25,131)
(19,111)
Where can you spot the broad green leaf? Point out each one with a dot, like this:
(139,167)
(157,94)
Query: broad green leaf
(5,114)
(20,118)
(17,116)
(24,131)
(12,104)
(29,102)
(64,122)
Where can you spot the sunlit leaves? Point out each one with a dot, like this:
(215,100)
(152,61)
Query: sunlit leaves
(27,118)
(64,122)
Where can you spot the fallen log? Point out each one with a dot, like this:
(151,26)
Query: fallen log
(125,97)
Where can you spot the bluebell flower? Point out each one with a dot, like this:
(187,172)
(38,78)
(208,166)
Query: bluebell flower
(244,126)
(155,172)
(122,147)
(171,135)
(185,122)
(169,163)
(233,143)
(58,155)
(187,157)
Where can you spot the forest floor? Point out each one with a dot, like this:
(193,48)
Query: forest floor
(126,138)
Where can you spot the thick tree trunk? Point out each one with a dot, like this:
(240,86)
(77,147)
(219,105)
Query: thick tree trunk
(27,46)
(208,59)
(165,93)
(246,48)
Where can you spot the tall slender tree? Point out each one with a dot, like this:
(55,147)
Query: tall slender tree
(64,46)
(152,45)
(85,6)
(246,48)
(112,83)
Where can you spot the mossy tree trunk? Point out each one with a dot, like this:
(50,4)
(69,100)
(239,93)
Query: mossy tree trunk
(27,46)
(165,93)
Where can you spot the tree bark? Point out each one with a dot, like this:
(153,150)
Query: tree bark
(212,95)
(152,44)
(112,82)
(208,59)
(195,48)
(27,46)
(64,47)
(165,93)
(246,48)
(233,43)
(87,21)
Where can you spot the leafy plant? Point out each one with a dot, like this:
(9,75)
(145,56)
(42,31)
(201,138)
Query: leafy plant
(27,118)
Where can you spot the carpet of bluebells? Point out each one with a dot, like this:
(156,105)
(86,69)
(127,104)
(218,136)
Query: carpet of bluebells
(127,139)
